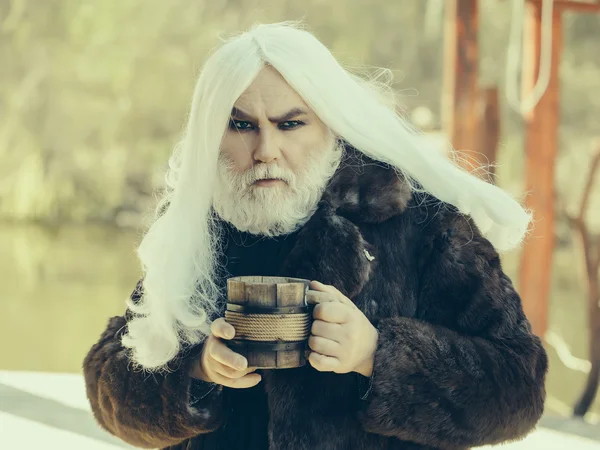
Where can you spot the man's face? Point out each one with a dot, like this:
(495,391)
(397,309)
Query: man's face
(271,124)
(276,158)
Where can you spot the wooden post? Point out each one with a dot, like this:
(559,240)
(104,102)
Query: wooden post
(488,131)
(461,61)
(575,6)
(540,150)
(590,245)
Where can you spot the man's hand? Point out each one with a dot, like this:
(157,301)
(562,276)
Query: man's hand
(219,364)
(342,338)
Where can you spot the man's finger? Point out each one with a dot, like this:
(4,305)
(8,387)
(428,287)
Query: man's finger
(223,354)
(332,291)
(332,312)
(324,346)
(316,297)
(331,331)
(228,372)
(243,383)
(324,363)
(221,329)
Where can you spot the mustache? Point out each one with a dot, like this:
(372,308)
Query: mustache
(261,172)
(268,172)
(257,172)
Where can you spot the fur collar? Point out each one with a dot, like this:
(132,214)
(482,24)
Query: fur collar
(331,247)
(365,190)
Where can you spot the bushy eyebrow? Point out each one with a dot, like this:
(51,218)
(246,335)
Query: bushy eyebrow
(237,113)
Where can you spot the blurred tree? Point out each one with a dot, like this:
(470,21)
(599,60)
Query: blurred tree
(93,95)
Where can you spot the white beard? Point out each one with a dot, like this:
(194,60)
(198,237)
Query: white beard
(275,210)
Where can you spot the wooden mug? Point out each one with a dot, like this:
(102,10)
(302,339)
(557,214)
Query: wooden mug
(272,319)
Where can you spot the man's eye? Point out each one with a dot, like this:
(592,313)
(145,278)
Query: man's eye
(290,124)
(240,125)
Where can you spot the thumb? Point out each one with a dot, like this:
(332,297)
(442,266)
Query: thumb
(222,329)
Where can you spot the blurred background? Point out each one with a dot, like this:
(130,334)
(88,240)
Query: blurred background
(94,95)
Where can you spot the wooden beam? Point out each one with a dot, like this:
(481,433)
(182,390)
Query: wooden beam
(461,62)
(481,157)
(488,129)
(590,246)
(540,150)
(566,5)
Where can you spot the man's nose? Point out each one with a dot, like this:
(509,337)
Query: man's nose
(267,150)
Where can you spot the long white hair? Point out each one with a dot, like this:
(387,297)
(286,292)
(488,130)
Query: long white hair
(179,251)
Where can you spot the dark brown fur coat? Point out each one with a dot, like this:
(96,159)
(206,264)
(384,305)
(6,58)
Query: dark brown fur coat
(456,366)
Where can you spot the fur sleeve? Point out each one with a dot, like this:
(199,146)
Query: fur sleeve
(467,371)
(147,410)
